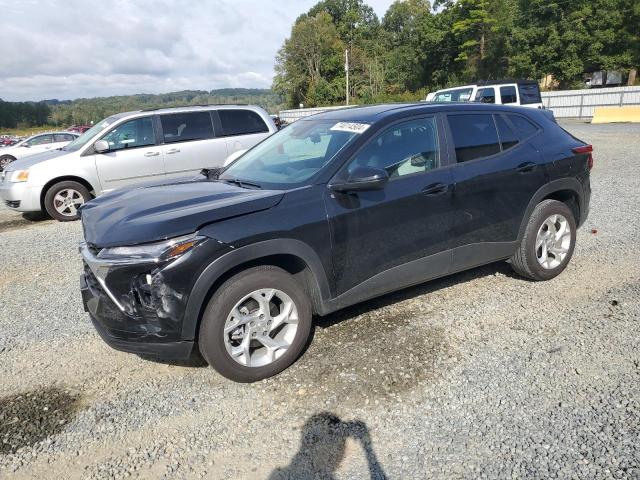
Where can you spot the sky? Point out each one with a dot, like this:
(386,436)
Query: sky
(69,49)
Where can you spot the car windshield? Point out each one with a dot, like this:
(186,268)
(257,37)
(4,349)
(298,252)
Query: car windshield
(293,155)
(82,140)
(459,95)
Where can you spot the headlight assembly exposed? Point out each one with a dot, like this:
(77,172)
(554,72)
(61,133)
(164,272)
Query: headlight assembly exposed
(158,252)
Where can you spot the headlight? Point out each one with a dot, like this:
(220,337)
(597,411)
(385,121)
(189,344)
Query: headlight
(19,176)
(158,252)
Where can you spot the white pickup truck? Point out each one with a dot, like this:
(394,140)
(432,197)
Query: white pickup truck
(506,92)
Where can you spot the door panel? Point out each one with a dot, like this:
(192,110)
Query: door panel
(188,158)
(491,195)
(380,232)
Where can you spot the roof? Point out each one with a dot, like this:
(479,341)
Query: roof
(375,113)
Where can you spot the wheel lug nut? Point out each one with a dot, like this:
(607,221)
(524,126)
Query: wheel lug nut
(253,334)
(252,323)
(261,316)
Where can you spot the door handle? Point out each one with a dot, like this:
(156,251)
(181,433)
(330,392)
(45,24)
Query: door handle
(173,150)
(435,189)
(152,154)
(526,167)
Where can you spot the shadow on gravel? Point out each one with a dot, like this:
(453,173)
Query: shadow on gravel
(30,417)
(25,220)
(322,448)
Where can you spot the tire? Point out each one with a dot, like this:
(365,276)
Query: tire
(529,260)
(60,191)
(6,160)
(214,344)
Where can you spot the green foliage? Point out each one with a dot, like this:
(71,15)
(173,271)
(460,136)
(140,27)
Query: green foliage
(23,114)
(416,48)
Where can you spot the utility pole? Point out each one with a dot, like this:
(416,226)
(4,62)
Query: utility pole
(346,69)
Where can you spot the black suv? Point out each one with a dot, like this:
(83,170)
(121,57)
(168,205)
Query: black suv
(330,211)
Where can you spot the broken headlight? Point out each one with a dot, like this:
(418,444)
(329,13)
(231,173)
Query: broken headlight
(154,252)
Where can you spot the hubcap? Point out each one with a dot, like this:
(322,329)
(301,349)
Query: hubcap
(261,327)
(553,241)
(67,201)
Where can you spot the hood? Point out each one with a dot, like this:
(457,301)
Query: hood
(158,211)
(24,163)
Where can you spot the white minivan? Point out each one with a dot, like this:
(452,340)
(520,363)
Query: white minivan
(129,148)
(525,93)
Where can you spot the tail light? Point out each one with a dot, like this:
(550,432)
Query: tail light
(585,149)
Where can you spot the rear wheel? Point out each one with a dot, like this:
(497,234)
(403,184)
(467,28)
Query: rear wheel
(63,199)
(548,242)
(255,325)
(5,160)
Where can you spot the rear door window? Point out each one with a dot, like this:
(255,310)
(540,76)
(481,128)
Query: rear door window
(508,95)
(524,128)
(486,95)
(241,122)
(184,127)
(529,93)
(63,137)
(508,137)
(474,136)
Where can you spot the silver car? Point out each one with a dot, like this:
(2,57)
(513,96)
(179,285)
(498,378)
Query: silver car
(129,148)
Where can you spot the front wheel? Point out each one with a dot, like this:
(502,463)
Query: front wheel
(63,199)
(255,325)
(548,242)
(5,160)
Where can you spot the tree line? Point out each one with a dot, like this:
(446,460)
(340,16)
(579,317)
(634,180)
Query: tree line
(418,47)
(86,110)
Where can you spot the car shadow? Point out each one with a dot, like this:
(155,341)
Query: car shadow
(429,287)
(322,448)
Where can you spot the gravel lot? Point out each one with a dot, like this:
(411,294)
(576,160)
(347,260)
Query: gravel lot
(479,375)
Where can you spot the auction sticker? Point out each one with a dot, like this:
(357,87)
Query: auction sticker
(351,127)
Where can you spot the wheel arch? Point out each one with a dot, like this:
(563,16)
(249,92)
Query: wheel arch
(293,256)
(566,190)
(65,178)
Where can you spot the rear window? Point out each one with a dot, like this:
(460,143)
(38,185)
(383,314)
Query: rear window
(241,122)
(184,127)
(529,93)
(474,136)
(524,128)
(508,95)
(486,95)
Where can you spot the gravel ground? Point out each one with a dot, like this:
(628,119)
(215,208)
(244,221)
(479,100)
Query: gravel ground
(479,375)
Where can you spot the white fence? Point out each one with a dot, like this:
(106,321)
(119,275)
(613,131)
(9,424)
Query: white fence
(580,103)
(563,103)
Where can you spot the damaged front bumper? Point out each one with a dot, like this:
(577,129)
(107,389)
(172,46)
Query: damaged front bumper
(138,305)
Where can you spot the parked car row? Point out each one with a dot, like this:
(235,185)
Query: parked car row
(33,145)
(334,209)
(129,148)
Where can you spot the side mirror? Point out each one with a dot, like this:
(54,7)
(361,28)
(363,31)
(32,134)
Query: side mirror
(361,179)
(101,146)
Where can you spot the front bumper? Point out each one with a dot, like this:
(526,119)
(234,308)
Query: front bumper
(20,196)
(138,306)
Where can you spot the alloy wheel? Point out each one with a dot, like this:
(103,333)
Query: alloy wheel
(553,241)
(261,327)
(67,201)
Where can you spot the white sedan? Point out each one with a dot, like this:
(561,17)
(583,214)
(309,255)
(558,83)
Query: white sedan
(41,142)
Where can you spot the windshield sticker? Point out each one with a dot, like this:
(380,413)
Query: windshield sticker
(350,127)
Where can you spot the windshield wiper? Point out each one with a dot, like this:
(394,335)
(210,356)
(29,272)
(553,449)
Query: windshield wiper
(241,183)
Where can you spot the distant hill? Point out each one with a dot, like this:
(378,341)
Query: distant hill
(86,110)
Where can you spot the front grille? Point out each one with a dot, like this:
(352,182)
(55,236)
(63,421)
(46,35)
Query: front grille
(12,203)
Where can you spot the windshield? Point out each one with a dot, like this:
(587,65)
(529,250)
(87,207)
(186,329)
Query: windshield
(82,140)
(293,155)
(459,95)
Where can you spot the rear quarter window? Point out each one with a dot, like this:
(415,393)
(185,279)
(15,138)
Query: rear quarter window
(524,128)
(241,122)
